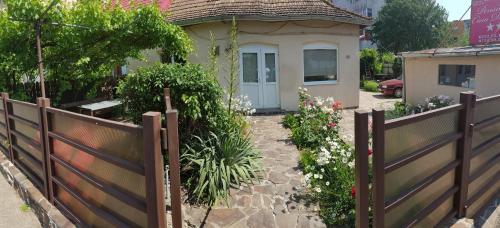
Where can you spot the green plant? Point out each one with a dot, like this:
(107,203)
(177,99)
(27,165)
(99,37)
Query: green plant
(370,86)
(290,121)
(78,59)
(24,208)
(400,109)
(195,94)
(220,162)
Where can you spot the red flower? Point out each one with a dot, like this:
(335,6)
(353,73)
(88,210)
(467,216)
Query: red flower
(332,125)
(311,103)
(370,152)
(353,191)
(336,105)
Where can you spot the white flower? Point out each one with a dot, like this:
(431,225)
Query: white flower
(322,170)
(327,183)
(320,177)
(317,189)
(324,128)
(316,176)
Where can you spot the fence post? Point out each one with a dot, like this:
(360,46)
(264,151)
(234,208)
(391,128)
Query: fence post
(174,164)
(5,97)
(464,148)
(361,147)
(378,167)
(153,164)
(43,104)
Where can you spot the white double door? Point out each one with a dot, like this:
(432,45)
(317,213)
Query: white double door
(259,75)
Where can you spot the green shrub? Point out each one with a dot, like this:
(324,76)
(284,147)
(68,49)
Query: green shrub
(400,109)
(370,86)
(218,163)
(196,96)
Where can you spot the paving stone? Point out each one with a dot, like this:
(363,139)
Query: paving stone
(286,220)
(262,219)
(278,178)
(224,217)
(264,189)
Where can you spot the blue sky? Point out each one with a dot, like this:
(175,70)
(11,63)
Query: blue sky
(456,8)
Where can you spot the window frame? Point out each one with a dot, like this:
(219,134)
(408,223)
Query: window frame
(320,46)
(456,65)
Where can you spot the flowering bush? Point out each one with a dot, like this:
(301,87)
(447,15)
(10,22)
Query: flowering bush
(327,161)
(242,105)
(435,102)
(316,120)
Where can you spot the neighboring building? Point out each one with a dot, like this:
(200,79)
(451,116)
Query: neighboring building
(450,71)
(283,45)
(460,28)
(368,8)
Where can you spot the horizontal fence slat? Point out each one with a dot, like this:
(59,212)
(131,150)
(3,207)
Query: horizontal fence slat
(493,180)
(103,122)
(113,191)
(25,138)
(67,212)
(29,156)
(31,105)
(487,122)
(485,146)
(487,99)
(139,169)
(445,222)
(107,216)
(36,181)
(25,121)
(398,200)
(390,124)
(431,207)
(440,142)
(485,167)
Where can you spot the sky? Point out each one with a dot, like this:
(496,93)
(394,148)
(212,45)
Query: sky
(456,8)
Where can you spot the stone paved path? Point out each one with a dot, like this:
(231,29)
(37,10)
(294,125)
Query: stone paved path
(274,202)
(367,102)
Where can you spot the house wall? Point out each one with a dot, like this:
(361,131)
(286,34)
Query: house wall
(421,77)
(289,38)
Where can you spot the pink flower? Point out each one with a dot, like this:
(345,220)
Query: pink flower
(336,105)
(332,125)
(370,152)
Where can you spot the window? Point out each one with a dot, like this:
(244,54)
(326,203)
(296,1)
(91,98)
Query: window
(458,75)
(369,12)
(320,64)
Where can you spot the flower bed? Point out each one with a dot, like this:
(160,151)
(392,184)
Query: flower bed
(327,161)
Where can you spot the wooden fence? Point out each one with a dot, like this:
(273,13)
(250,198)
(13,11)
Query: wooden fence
(430,167)
(99,173)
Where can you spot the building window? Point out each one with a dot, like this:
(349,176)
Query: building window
(369,12)
(458,75)
(320,64)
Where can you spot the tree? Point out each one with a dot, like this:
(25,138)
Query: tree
(82,42)
(409,25)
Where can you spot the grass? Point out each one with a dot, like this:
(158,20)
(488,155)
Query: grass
(24,208)
(370,86)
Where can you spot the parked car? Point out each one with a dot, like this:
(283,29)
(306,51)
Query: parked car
(393,87)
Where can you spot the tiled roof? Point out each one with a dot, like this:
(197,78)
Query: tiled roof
(189,12)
